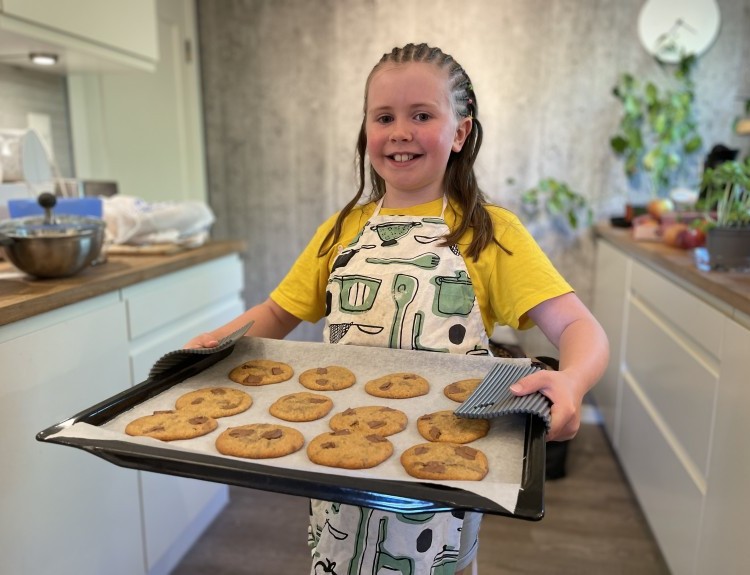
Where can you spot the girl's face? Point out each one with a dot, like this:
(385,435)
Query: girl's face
(411,130)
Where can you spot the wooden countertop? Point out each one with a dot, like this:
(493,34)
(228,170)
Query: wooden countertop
(730,288)
(22,296)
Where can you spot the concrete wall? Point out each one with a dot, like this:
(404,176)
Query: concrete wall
(283,88)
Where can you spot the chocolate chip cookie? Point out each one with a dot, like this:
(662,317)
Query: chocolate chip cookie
(215,401)
(349,449)
(301,406)
(461,390)
(172,425)
(329,378)
(445,461)
(261,372)
(398,386)
(445,426)
(259,441)
(370,419)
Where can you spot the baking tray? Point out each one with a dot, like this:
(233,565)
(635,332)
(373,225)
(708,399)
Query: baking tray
(365,490)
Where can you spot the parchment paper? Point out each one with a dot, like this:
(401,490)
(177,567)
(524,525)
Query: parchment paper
(503,445)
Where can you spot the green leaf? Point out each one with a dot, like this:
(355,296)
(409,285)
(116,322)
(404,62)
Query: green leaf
(693,144)
(619,144)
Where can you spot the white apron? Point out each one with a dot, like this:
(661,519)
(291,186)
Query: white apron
(394,286)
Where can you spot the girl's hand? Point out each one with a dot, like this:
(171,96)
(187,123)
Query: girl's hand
(566,404)
(204,340)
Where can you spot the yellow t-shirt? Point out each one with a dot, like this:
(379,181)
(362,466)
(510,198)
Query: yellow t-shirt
(506,286)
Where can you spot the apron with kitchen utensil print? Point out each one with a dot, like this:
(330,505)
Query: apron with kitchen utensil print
(395,286)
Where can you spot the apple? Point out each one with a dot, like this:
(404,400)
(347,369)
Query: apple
(681,235)
(671,234)
(659,206)
(692,238)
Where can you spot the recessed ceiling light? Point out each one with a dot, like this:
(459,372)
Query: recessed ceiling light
(43,58)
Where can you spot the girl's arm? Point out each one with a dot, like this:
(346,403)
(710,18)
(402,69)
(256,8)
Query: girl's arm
(584,354)
(271,320)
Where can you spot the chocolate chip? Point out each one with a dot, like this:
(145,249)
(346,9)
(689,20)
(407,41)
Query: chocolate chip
(199,420)
(328,445)
(276,370)
(321,382)
(375,424)
(197,401)
(421,450)
(434,433)
(375,438)
(315,400)
(348,411)
(321,371)
(386,385)
(466,452)
(434,467)
(341,432)
(218,391)
(253,379)
(273,434)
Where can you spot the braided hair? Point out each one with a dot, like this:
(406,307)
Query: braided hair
(460,181)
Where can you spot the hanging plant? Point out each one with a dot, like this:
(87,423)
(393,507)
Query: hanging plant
(658,135)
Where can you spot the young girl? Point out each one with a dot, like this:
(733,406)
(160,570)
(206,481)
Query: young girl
(426,263)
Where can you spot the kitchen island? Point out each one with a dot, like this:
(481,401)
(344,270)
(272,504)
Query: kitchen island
(65,345)
(674,395)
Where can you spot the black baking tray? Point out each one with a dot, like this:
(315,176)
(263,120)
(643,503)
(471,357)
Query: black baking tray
(389,495)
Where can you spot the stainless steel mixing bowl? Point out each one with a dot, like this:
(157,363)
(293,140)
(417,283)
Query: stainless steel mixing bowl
(52,246)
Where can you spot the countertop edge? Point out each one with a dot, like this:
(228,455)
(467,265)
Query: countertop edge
(732,289)
(22,297)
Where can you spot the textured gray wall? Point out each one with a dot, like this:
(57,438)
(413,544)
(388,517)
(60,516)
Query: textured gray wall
(23,91)
(283,87)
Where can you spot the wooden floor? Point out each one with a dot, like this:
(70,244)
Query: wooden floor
(592,525)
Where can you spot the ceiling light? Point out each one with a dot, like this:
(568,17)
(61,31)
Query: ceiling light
(43,58)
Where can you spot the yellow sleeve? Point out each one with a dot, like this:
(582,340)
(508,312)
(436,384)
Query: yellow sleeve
(508,286)
(303,291)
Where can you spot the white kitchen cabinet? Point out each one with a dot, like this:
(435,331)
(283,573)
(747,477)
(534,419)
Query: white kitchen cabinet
(86,34)
(613,273)
(64,511)
(145,130)
(90,516)
(163,314)
(726,518)
(676,386)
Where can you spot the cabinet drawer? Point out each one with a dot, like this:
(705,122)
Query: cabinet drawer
(676,380)
(696,320)
(158,302)
(669,497)
(145,352)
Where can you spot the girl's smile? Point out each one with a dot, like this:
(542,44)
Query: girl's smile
(411,131)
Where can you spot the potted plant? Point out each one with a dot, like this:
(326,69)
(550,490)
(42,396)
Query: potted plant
(726,202)
(657,137)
